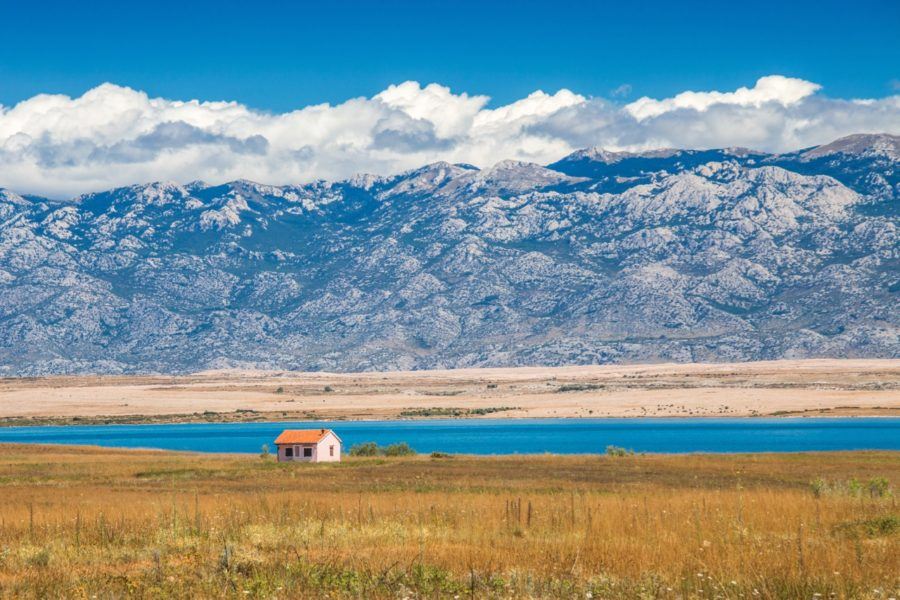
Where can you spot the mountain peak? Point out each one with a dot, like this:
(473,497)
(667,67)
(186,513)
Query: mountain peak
(610,157)
(860,144)
(509,165)
(516,176)
(10,197)
(196,185)
(426,179)
(365,181)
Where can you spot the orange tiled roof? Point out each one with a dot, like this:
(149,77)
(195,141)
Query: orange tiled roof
(302,436)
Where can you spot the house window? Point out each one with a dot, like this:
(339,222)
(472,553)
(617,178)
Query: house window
(331,450)
(307,452)
(289,452)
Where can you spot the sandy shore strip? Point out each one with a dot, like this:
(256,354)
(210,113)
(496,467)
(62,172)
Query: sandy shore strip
(807,387)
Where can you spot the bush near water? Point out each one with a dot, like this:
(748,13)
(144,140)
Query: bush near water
(372,449)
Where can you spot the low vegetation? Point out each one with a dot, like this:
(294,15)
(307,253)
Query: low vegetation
(240,415)
(373,449)
(876,487)
(87,522)
(245,415)
(441,411)
(617,451)
(579,387)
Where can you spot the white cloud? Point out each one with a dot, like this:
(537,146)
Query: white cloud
(452,115)
(774,88)
(112,135)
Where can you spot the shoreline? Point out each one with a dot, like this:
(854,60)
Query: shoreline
(429,456)
(99,420)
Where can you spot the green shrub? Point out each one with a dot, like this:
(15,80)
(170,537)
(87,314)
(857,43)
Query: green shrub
(880,526)
(578,387)
(819,487)
(400,449)
(490,409)
(617,451)
(40,558)
(871,528)
(372,449)
(364,449)
(879,487)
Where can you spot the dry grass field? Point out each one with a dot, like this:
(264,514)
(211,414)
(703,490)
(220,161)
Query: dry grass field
(806,387)
(96,523)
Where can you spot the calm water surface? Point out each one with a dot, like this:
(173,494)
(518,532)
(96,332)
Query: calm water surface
(502,436)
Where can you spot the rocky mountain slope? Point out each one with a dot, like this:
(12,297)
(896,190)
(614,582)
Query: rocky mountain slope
(673,255)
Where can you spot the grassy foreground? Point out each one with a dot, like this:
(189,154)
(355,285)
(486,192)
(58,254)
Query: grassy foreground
(83,523)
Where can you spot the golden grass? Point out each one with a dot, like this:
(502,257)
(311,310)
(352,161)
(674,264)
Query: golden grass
(106,523)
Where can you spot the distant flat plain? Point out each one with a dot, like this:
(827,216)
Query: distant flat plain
(781,388)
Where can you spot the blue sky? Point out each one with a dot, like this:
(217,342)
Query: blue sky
(281,55)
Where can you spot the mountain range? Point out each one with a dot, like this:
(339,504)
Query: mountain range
(601,257)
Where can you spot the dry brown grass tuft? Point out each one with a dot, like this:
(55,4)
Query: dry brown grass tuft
(108,523)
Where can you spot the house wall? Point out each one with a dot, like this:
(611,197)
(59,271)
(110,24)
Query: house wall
(322,451)
(298,453)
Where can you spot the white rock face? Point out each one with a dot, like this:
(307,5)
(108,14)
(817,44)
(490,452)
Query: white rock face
(671,255)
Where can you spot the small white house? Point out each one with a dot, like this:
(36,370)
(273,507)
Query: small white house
(308,445)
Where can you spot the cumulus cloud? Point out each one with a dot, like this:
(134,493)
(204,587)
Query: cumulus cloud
(775,89)
(112,135)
